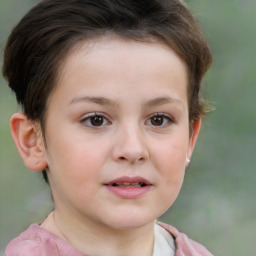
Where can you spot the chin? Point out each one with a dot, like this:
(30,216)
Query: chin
(129,225)
(130,220)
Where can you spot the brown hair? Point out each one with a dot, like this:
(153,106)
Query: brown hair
(43,38)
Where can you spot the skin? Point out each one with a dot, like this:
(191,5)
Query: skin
(126,83)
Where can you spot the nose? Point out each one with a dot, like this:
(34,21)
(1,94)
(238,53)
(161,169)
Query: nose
(130,146)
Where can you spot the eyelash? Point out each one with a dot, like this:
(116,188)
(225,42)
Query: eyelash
(87,120)
(167,120)
(103,120)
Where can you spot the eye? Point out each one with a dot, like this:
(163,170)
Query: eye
(160,120)
(95,120)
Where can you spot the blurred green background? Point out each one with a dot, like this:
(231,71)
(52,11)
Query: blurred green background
(217,205)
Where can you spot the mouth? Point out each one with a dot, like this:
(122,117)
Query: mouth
(128,182)
(129,187)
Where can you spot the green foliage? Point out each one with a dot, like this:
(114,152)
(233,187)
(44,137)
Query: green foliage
(216,206)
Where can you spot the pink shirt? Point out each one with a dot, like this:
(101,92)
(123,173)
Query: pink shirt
(36,241)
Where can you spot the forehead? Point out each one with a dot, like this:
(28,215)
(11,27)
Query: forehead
(109,61)
(126,52)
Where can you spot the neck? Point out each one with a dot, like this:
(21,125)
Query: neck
(99,240)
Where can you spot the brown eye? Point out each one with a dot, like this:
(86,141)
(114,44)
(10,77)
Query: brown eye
(160,120)
(94,120)
(157,120)
(97,120)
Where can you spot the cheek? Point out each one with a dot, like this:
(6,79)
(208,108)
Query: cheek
(171,169)
(79,161)
(75,172)
(170,164)
(170,156)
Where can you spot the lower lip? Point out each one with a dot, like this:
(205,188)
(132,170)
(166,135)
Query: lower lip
(129,193)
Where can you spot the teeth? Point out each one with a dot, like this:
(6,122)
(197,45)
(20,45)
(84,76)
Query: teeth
(129,185)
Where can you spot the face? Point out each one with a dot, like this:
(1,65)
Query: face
(117,133)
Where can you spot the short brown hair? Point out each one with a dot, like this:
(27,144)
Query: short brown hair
(43,38)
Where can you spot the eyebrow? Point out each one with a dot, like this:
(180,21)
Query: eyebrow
(104,101)
(162,101)
(97,100)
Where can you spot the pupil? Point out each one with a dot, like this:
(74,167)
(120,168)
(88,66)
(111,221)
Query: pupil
(97,120)
(157,120)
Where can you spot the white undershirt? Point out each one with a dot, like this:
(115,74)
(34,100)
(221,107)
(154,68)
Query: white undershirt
(164,243)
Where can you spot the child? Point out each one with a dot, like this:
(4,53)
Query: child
(111,113)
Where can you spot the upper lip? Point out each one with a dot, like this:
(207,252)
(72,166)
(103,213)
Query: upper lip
(129,180)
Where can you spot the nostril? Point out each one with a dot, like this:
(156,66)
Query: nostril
(131,159)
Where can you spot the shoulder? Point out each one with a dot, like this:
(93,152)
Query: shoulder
(33,241)
(184,245)
(27,243)
(37,241)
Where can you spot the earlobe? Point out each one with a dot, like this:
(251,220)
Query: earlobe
(28,142)
(193,139)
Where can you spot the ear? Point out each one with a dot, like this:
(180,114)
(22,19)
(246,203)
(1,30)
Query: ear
(28,142)
(193,138)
